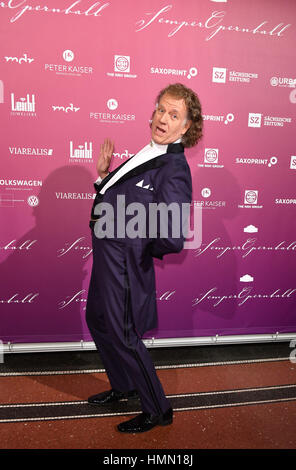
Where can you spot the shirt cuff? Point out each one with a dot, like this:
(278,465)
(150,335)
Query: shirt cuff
(99,180)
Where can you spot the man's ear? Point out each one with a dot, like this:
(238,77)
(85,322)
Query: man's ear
(187,126)
(150,124)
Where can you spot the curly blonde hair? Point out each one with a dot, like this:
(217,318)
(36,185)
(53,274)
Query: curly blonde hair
(194,111)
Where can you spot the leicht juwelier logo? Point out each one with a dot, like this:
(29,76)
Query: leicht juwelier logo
(112,114)
(211,159)
(189,73)
(219,75)
(251,199)
(82,153)
(23,106)
(68,68)
(121,67)
(24,59)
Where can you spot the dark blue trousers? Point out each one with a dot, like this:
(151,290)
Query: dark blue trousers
(109,318)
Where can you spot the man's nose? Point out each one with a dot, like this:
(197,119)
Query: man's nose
(164,118)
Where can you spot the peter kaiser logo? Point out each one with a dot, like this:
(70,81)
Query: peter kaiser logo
(114,116)
(68,68)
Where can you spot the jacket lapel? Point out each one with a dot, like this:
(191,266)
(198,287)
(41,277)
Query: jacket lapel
(149,165)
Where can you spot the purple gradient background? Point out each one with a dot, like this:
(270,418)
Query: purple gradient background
(45,232)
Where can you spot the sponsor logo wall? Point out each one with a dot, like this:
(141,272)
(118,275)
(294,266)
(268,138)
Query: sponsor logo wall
(73,73)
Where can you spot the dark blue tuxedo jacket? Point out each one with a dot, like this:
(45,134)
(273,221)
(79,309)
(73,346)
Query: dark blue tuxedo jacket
(169,180)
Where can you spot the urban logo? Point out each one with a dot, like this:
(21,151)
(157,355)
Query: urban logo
(19,60)
(66,109)
(23,106)
(82,153)
(283,82)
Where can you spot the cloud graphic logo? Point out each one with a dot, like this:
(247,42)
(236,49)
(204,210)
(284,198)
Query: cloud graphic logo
(246,278)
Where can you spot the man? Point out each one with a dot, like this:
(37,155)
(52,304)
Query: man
(121,303)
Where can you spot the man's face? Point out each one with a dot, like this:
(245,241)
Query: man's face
(169,122)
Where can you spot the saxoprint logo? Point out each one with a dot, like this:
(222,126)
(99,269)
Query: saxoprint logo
(189,73)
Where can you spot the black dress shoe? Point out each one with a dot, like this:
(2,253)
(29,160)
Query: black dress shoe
(111,396)
(145,422)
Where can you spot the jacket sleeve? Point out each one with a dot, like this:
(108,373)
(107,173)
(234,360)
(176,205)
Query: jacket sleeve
(174,186)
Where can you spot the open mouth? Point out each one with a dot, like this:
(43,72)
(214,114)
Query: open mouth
(160,130)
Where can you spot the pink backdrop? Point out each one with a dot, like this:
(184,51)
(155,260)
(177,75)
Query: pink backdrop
(73,73)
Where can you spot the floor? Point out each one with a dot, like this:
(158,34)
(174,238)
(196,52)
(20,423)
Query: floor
(224,397)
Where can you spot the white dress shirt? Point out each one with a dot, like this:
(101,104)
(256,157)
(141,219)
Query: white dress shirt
(150,151)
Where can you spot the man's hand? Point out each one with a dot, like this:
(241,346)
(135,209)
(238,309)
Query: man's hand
(106,151)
